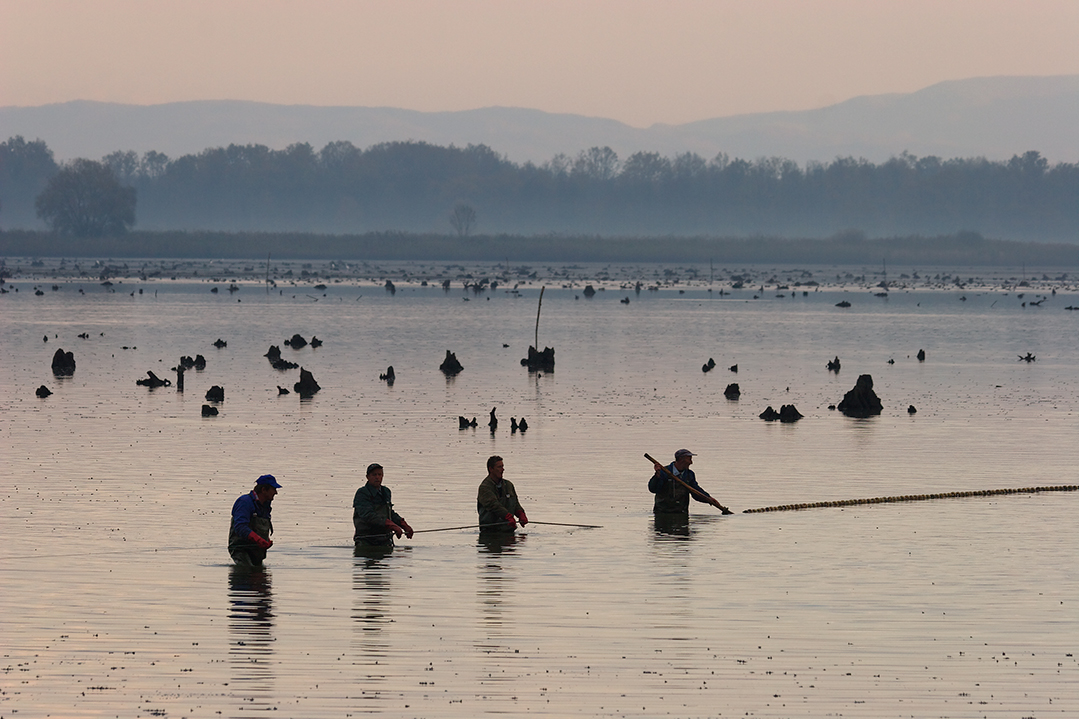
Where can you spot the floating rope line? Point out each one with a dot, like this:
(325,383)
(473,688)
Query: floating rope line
(912,498)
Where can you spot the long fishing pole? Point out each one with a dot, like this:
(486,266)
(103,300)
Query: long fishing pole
(706,497)
(489,524)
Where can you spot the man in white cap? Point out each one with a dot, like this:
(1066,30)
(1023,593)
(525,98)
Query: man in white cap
(672,496)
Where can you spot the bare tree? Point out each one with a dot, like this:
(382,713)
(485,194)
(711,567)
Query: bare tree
(463,219)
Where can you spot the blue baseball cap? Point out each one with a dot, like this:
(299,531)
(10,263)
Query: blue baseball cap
(268,479)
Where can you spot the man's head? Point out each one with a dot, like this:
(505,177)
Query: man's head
(682,459)
(266,487)
(375,474)
(495,466)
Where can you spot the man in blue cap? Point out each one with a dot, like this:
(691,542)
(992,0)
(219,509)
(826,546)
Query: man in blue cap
(249,536)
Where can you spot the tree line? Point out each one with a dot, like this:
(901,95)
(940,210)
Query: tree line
(423,188)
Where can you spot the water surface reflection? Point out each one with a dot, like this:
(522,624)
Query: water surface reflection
(251,635)
(496,574)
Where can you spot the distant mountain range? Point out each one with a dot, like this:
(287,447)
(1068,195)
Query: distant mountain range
(994,117)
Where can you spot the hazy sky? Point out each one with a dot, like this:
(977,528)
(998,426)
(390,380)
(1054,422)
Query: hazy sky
(639,62)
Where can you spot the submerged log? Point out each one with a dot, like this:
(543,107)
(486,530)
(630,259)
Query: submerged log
(63,363)
(153,381)
(307,386)
(539,361)
(450,366)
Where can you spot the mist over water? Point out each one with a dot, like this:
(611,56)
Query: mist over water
(119,599)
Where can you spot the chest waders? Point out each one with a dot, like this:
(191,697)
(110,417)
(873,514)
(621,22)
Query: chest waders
(245,552)
(672,499)
(376,534)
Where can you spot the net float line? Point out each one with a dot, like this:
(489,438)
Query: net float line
(913,498)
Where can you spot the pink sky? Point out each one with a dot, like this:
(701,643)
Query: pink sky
(638,62)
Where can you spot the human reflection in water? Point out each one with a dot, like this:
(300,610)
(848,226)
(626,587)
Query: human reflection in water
(251,637)
(674,526)
(496,575)
(371,573)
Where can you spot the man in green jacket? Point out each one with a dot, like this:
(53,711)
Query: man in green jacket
(497,501)
(372,513)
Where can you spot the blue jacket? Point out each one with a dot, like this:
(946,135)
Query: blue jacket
(247,512)
(671,496)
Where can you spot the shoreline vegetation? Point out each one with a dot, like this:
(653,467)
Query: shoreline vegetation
(848,248)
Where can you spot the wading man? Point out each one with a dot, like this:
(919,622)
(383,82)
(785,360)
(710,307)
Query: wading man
(372,513)
(249,535)
(497,501)
(672,496)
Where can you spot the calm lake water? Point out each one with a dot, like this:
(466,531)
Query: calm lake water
(117,597)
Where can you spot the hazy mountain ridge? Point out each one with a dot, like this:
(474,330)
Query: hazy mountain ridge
(994,117)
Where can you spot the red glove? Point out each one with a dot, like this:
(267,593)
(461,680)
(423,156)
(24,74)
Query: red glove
(394,528)
(509,518)
(522,517)
(408,529)
(263,543)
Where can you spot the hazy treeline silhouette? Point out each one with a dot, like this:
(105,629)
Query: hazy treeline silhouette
(850,248)
(415,187)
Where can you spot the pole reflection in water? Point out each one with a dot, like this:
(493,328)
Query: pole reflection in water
(251,624)
(494,577)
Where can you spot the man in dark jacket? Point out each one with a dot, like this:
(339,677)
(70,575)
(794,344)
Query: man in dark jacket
(249,533)
(372,513)
(672,497)
(497,502)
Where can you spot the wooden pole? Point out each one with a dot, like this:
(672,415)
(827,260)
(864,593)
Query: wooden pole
(706,497)
(538,308)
